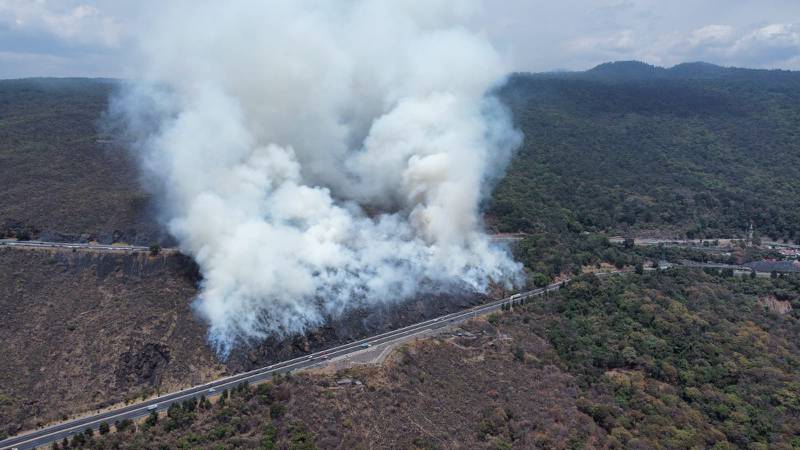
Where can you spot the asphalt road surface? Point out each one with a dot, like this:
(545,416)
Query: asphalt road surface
(139,248)
(59,431)
(101,247)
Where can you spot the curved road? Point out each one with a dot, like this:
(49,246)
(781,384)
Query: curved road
(59,431)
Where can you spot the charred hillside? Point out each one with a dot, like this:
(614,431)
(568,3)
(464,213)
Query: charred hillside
(82,331)
(85,330)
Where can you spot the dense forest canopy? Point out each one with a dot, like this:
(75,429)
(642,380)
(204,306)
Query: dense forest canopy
(681,359)
(696,150)
(653,359)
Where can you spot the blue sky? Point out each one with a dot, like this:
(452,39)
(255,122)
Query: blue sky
(96,37)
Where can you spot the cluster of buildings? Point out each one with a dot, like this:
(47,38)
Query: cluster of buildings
(789,253)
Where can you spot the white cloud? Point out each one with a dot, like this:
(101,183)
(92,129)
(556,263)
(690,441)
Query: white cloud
(81,24)
(776,44)
(578,34)
(711,35)
(619,42)
(534,34)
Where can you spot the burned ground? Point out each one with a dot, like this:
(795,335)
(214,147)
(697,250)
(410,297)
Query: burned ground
(82,331)
(471,389)
(86,330)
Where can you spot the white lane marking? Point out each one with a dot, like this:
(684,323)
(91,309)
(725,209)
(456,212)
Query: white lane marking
(225,382)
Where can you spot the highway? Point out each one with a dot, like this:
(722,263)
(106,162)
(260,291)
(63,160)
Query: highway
(704,243)
(71,245)
(59,431)
(118,247)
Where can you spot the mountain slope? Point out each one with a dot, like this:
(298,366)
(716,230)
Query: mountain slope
(671,360)
(61,178)
(695,150)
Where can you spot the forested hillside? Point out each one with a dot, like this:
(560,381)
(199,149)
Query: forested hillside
(667,360)
(672,359)
(61,178)
(696,150)
(682,359)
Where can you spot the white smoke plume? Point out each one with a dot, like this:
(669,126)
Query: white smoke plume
(319,156)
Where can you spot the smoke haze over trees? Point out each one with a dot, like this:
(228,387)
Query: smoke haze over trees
(317,158)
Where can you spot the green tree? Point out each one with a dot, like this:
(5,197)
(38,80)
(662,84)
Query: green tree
(152,419)
(301,438)
(189,405)
(104,428)
(629,355)
(78,440)
(540,279)
(265,393)
(270,438)
(276,410)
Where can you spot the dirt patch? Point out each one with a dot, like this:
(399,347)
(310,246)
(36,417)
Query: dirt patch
(777,306)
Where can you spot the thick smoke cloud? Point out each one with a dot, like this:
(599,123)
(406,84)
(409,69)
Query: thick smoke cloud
(315,157)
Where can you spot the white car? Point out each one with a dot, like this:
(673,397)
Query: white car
(152,407)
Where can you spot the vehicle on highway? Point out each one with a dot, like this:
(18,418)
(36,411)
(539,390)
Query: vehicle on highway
(344,351)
